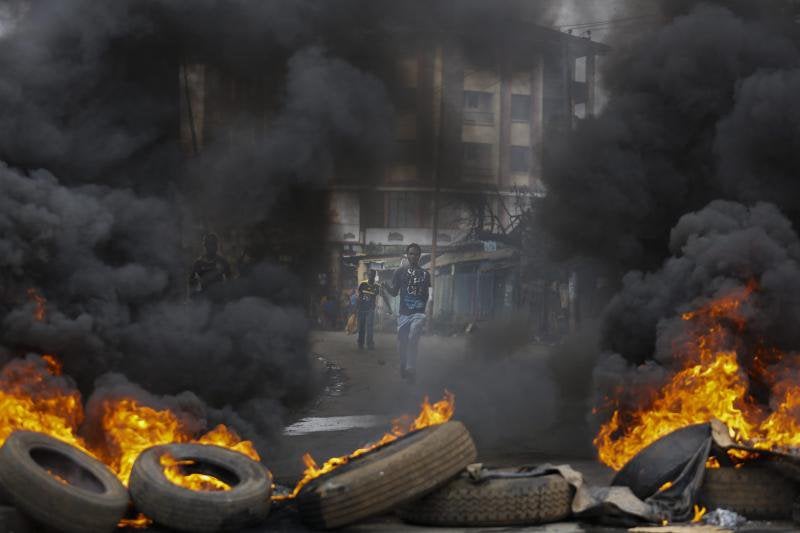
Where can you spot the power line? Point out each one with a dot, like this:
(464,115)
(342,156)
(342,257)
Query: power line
(605,22)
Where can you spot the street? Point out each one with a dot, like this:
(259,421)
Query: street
(514,404)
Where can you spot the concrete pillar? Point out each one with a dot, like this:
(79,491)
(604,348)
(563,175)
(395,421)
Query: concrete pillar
(591,73)
(537,117)
(504,146)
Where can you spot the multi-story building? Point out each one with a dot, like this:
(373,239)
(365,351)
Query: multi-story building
(473,116)
(472,126)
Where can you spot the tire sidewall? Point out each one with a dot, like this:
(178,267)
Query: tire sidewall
(40,495)
(158,498)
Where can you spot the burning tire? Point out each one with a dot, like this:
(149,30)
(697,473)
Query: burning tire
(387,477)
(662,460)
(246,503)
(60,486)
(753,491)
(495,502)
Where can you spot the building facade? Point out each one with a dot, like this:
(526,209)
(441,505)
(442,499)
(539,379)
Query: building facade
(472,124)
(473,116)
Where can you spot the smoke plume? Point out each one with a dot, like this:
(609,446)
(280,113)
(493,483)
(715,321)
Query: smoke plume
(725,248)
(98,201)
(686,123)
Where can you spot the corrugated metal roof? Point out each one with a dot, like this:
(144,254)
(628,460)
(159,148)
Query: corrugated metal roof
(473,255)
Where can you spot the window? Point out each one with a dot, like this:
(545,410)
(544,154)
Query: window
(477,159)
(405,153)
(520,159)
(520,108)
(406,100)
(404,209)
(478,107)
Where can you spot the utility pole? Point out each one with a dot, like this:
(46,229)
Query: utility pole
(438,73)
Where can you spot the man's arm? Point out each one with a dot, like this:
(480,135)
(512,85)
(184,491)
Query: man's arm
(394,287)
(429,301)
(382,290)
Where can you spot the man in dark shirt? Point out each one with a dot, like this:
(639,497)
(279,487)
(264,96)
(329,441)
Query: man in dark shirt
(367,293)
(412,284)
(210,268)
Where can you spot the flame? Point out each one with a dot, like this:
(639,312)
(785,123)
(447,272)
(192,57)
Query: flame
(226,438)
(31,398)
(34,397)
(665,486)
(130,428)
(712,462)
(194,481)
(711,384)
(41,308)
(140,522)
(699,513)
(429,415)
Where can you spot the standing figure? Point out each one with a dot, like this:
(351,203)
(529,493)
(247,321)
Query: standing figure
(412,284)
(210,268)
(367,294)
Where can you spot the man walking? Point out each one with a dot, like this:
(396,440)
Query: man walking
(367,293)
(412,283)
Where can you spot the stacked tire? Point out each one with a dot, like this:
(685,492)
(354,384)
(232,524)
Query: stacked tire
(387,477)
(494,502)
(753,491)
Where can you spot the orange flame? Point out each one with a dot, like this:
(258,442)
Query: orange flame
(712,384)
(30,399)
(140,522)
(193,481)
(429,415)
(130,428)
(41,308)
(33,397)
(699,513)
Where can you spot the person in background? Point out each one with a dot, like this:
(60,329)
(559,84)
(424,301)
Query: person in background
(351,304)
(412,284)
(210,268)
(329,312)
(367,294)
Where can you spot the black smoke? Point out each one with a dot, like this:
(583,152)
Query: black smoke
(101,205)
(693,115)
(723,249)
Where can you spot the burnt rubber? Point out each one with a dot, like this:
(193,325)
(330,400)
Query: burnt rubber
(754,491)
(387,477)
(88,497)
(495,502)
(662,460)
(182,509)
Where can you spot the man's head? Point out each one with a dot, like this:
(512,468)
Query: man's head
(413,252)
(371,275)
(211,243)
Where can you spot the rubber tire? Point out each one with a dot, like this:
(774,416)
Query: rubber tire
(391,475)
(662,460)
(181,509)
(753,491)
(495,502)
(46,500)
(13,521)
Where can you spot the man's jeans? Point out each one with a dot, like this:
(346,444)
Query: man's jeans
(409,330)
(366,320)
